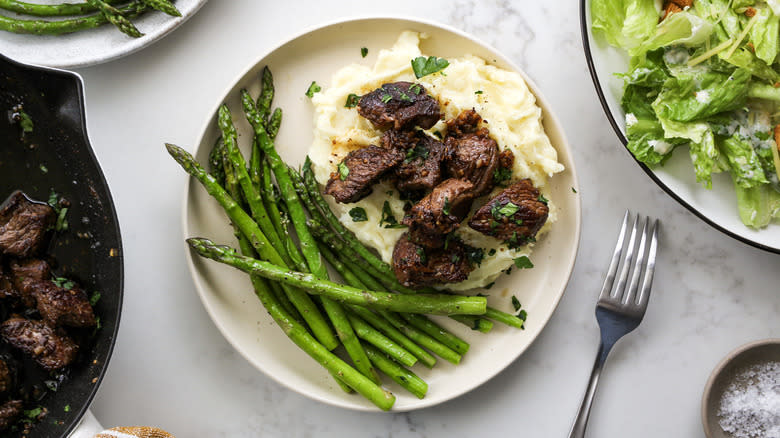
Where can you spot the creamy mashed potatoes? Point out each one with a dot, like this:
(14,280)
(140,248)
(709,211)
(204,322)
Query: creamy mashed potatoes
(501,97)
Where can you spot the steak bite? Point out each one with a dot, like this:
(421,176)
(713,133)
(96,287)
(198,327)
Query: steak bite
(471,154)
(26,274)
(47,346)
(10,411)
(514,215)
(67,305)
(360,170)
(420,171)
(6,378)
(415,266)
(400,105)
(23,225)
(439,213)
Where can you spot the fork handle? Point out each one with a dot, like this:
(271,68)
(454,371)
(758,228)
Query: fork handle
(581,420)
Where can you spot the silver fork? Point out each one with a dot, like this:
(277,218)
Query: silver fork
(621,309)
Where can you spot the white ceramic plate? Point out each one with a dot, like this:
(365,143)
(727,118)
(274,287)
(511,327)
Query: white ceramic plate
(227,293)
(93,46)
(717,207)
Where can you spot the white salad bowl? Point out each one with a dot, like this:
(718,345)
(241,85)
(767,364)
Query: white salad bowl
(718,206)
(227,294)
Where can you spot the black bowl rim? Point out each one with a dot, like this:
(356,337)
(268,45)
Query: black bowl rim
(624,140)
(101,179)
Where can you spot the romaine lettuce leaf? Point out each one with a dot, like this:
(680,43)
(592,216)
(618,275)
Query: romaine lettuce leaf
(744,58)
(757,205)
(745,165)
(681,28)
(624,23)
(764,34)
(698,96)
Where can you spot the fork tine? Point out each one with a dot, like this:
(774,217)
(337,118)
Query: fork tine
(621,285)
(639,265)
(613,265)
(647,283)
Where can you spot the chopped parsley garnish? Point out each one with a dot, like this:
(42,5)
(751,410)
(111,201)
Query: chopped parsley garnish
(492,252)
(63,283)
(574,190)
(343,171)
(98,326)
(358,214)
(66,408)
(506,210)
(423,66)
(363,51)
(421,252)
(404,97)
(501,175)
(447,206)
(352,100)
(516,303)
(543,200)
(54,202)
(418,151)
(94,298)
(386,98)
(390,193)
(523,315)
(455,258)
(415,88)
(34,413)
(490,285)
(478,92)
(763,135)
(474,255)
(313,88)
(43,168)
(388,220)
(523,262)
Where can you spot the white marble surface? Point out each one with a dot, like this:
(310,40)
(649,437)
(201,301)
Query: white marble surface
(172,368)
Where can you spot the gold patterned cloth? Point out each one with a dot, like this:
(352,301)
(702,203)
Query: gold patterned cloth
(134,432)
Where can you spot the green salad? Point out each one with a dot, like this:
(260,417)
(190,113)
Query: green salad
(704,75)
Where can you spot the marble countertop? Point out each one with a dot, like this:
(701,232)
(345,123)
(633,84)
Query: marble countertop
(172,368)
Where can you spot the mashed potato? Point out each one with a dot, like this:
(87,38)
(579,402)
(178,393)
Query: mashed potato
(501,97)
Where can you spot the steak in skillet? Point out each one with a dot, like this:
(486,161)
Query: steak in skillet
(49,347)
(400,105)
(10,411)
(23,226)
(25,274)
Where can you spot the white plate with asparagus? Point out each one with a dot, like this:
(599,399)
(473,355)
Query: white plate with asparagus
(399,357)
(56,33)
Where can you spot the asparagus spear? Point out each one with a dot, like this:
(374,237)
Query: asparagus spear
(380,341)
(46,27)
(407,379)
(57,10)
(422,303)
(115,17)
(266,96)
(250,229)
(163,6)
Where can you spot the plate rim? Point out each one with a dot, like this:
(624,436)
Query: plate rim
(576,213)
(134,45)
(584,30)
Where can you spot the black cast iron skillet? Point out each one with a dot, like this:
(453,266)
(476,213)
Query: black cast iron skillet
(57,156)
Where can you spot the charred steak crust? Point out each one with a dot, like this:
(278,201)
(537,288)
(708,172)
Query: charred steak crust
(23,226)
(10,411)
(420,171)
(415,266)
(49,347)
(59,306)
(514,215)
(26,274)
(400,105)
(439,213)
(364,168)
(6,378)
(470,152)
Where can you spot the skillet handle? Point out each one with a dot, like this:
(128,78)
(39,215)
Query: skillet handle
(88,428)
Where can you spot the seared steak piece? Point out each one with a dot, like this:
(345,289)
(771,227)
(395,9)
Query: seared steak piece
(416,266)
(60,306)
(471,153)
(360,170)
(400,105)
(6,379)
(10,412)
(514,215)
(7,289)
(420,171)
(23,225)
(49,347)
(26,274)
(439,213)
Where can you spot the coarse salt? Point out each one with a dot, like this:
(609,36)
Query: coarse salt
(750,405)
